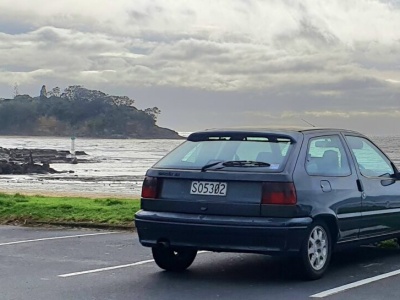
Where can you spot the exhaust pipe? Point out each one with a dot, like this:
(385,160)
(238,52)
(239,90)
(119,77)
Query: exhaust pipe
(163,244)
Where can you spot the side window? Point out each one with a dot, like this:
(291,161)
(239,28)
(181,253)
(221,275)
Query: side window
(326,157)
(371,161)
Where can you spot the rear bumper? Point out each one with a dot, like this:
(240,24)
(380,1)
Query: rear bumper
(222,233)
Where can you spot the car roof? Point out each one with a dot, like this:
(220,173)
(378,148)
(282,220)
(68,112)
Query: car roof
(280,129)
(293,133)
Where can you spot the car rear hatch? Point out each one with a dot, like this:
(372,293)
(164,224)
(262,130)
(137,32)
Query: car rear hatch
(224,173)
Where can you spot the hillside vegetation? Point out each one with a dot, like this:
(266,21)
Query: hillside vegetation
(81,112)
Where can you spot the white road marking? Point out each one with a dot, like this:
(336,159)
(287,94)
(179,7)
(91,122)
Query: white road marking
(373,264)
(354,284)
(113,268)
(56,238)
(106,269)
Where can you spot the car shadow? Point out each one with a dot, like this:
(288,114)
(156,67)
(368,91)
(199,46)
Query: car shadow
(252,268)
(247,276)
(364,256)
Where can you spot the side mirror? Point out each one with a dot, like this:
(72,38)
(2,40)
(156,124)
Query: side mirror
(387,182)
(396,175)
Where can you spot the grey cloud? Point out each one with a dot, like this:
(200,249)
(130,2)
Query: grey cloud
(10,26)
(138,16)
(326,113)
(352,83)
(188,50)
(236,56)
(145,16)
(312,32)
(50,35)
(16,68)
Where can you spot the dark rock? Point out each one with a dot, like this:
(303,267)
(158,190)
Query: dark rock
(34,161)
(38,155)
(80,153)
(25,168)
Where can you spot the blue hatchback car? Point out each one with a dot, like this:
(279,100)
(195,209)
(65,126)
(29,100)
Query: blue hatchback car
(301,192)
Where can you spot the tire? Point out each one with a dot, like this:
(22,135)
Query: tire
(174,260)
(316,251)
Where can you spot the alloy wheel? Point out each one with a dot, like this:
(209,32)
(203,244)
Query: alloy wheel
(318,248)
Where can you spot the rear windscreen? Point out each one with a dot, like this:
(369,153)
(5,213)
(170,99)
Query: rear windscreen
(252,150)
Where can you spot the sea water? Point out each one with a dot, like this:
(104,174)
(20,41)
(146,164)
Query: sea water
(118,165)
(117,168)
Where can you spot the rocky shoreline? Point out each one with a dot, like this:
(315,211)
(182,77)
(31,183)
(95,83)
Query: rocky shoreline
(35,161)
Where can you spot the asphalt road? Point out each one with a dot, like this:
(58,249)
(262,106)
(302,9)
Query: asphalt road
(56,264)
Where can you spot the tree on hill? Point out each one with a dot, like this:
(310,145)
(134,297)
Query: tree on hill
(23,97)
(78,92)
(79,111)
(56,92)
(153,112)
(16,90)
(43,93)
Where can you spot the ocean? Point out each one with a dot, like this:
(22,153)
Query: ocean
(118,168)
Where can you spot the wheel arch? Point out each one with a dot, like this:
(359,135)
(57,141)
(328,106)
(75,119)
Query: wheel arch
(332,223)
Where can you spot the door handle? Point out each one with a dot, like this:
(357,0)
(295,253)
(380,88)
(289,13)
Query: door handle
(326,186)
(360,186)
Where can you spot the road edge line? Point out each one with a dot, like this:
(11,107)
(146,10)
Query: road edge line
(354,284)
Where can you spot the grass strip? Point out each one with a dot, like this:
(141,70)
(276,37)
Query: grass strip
(43,209)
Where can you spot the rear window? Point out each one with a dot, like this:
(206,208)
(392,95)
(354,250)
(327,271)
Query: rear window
(197,154)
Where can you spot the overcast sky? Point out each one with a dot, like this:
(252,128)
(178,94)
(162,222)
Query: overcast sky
(218,63)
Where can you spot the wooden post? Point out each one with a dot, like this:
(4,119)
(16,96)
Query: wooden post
(73,156)
(73,146)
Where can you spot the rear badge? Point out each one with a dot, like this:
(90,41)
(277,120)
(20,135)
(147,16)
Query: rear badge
(172,174)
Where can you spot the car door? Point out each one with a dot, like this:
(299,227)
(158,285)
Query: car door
(380,192)
(330,183)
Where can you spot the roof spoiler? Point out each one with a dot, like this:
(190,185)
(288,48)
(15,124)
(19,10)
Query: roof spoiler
(237,136)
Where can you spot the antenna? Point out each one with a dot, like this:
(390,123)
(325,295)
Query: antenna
(307,122)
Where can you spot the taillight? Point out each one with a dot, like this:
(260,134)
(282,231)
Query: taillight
(281,193)
(150,187)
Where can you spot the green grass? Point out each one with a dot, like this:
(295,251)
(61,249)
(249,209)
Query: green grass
(21,208)
(389,244)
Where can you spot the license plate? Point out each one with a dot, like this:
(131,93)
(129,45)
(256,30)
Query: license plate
(208,188)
